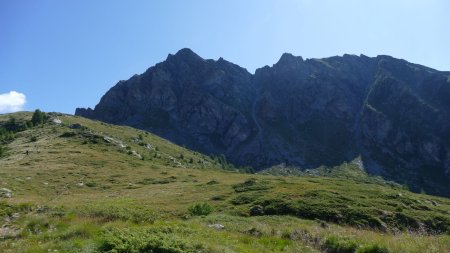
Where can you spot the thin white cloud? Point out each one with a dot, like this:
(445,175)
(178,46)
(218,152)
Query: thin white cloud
(12,101)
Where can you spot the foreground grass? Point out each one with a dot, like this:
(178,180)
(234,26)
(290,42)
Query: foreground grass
(78,192)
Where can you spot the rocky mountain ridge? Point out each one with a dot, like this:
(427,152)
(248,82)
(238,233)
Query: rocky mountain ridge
(393,114)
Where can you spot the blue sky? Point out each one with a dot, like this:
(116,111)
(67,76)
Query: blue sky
(63,54)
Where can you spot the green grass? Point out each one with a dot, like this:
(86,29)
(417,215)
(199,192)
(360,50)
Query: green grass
(78,192)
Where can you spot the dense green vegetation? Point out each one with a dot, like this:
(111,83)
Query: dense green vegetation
(87,186)
(12,126)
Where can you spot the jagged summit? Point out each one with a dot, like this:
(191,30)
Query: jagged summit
(301,113)
(185,54)
(288,58)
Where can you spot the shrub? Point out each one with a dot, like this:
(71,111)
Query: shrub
(85,230)
(212,182)
(218,197)
(68,134)
(91,184)
(38,117)
(2,150)
(200,209)
(374,248)
(137,240)
(438,223)
(251,185)
(278,207)
(149,181)
(37,225)
(256,210)
(244,199)
(334,244)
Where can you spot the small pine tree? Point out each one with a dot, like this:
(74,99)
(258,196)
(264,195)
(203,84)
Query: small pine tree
(38,117)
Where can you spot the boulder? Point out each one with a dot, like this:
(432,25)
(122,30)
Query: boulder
(5,193)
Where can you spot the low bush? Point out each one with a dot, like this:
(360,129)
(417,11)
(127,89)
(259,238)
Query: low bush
(85,230)
(137,240)
(335,244)
(200,209)
(374,248)
(68,134)
(244,199)
(218,197)
(439,224)
(36,225)
(330,212)
(7,209)
(212,182)
(149,181)
(278,207)
(251,185)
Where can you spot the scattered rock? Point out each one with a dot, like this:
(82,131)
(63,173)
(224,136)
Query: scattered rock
(212,182)
(149,146)
(5,193)
(136,154)
(114,141)
(254,232)
(217,226)
(257,210)
(432,202)
(57,121)
(75,126)
(323,224)
(9,232)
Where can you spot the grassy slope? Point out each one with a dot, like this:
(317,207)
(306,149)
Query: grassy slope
(82,193)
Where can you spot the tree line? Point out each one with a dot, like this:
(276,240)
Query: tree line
(13,126)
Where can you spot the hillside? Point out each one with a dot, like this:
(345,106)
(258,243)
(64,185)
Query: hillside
(78,185)
(304,113)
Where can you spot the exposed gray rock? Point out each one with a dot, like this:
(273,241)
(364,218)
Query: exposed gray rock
(256,210)
(394,114)
(5,193)
(75,126)
(56,121)
(217,226)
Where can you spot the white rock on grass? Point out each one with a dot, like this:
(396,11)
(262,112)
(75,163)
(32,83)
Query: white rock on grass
(57,121)
(5,193)
(216,226)
(136,154)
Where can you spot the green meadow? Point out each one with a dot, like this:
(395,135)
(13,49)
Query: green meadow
(69,184)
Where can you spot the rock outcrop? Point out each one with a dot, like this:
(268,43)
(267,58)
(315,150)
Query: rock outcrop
(305,113)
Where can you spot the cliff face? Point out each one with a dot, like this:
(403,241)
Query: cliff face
(305,113)
(203,104)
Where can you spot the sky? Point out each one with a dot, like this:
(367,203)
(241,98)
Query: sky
(57,55)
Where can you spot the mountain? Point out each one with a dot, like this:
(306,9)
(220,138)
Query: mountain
(393,114)
(71,184)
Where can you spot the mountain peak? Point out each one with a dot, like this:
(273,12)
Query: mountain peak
(297,113)
(186,53)
(288,58)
